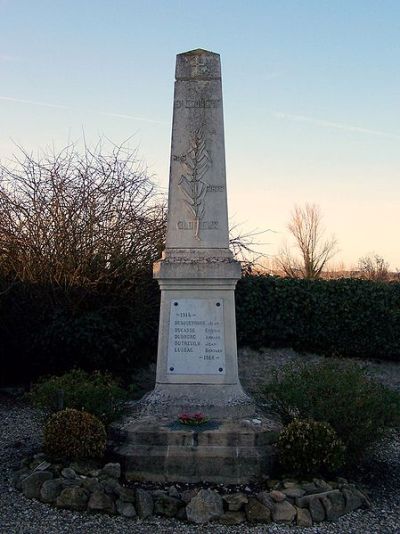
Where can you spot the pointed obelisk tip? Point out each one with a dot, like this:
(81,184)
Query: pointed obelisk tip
(198,64)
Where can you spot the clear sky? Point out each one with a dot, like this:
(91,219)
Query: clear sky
(311,99)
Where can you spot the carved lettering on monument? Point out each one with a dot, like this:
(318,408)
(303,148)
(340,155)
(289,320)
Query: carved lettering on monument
(196,337)
(202,103)
(203,225)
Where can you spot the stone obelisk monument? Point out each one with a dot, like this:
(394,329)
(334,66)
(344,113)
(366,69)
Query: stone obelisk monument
(197,357)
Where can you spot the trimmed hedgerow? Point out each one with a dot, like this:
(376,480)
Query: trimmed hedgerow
(49,330)
(346,317)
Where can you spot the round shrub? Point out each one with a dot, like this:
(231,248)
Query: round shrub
(74,434)
(308,447)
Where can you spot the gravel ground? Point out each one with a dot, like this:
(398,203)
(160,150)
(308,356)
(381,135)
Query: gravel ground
(21,435)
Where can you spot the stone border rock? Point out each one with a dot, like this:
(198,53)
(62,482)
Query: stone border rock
(88,486)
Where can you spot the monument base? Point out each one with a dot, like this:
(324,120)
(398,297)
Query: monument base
(228,451)
(222,400)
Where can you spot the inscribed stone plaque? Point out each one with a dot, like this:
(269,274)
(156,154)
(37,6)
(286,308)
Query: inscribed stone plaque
(196,337)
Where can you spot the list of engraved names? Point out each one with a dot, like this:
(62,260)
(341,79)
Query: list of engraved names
(196,337)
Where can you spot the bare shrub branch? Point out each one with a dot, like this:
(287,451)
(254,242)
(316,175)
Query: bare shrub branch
(79,219)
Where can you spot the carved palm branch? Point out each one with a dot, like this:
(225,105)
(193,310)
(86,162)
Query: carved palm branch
(193,187)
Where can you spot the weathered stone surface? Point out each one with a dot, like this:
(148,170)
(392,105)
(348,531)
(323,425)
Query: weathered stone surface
(256,512)
(125,509)
(73,498)
(51,489)
(277,496)
(283,512)
(144,503)
(265,498)
(316,508)
(354,498)
(71,482)
(287,483)
(232,518)
(187,495)
(32,484)
(322,484)
(303,517)
(112,470)
(92,484)
(159,493)
(110,485)
(334,505)
(126,494)
(235,501)
(101,502)
(294,492)
(69,473)
(84,467)
(205,506)
(310,488)
(166,505)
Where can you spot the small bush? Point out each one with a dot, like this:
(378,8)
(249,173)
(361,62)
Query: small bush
(308,447)
(74,434)
(96,393)
(359,409)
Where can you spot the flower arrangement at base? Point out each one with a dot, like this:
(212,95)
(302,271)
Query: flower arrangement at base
(197,418)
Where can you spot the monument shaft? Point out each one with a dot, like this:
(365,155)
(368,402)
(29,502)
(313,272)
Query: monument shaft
(197,355)
(197,204)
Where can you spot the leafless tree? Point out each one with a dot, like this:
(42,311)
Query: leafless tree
(373,268)
(73,219)
(311,251)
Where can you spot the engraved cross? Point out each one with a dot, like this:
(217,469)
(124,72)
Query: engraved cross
(199,66)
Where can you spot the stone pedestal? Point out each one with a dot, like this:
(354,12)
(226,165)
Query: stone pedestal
(232,451)
(197,367)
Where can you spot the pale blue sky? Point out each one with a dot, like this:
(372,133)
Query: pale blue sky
(311,98)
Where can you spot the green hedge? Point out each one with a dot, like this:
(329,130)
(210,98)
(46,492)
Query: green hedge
(46,330)
(346,317)
(49,330)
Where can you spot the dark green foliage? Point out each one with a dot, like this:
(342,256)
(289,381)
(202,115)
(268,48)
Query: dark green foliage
(49,330)
(96,393)
(74,434)
(359,409)
(346,317)
(307,447)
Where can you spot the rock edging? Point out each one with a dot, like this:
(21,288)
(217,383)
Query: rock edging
(84,486)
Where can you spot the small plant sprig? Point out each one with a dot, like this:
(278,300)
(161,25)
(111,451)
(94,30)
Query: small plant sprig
(197,418)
